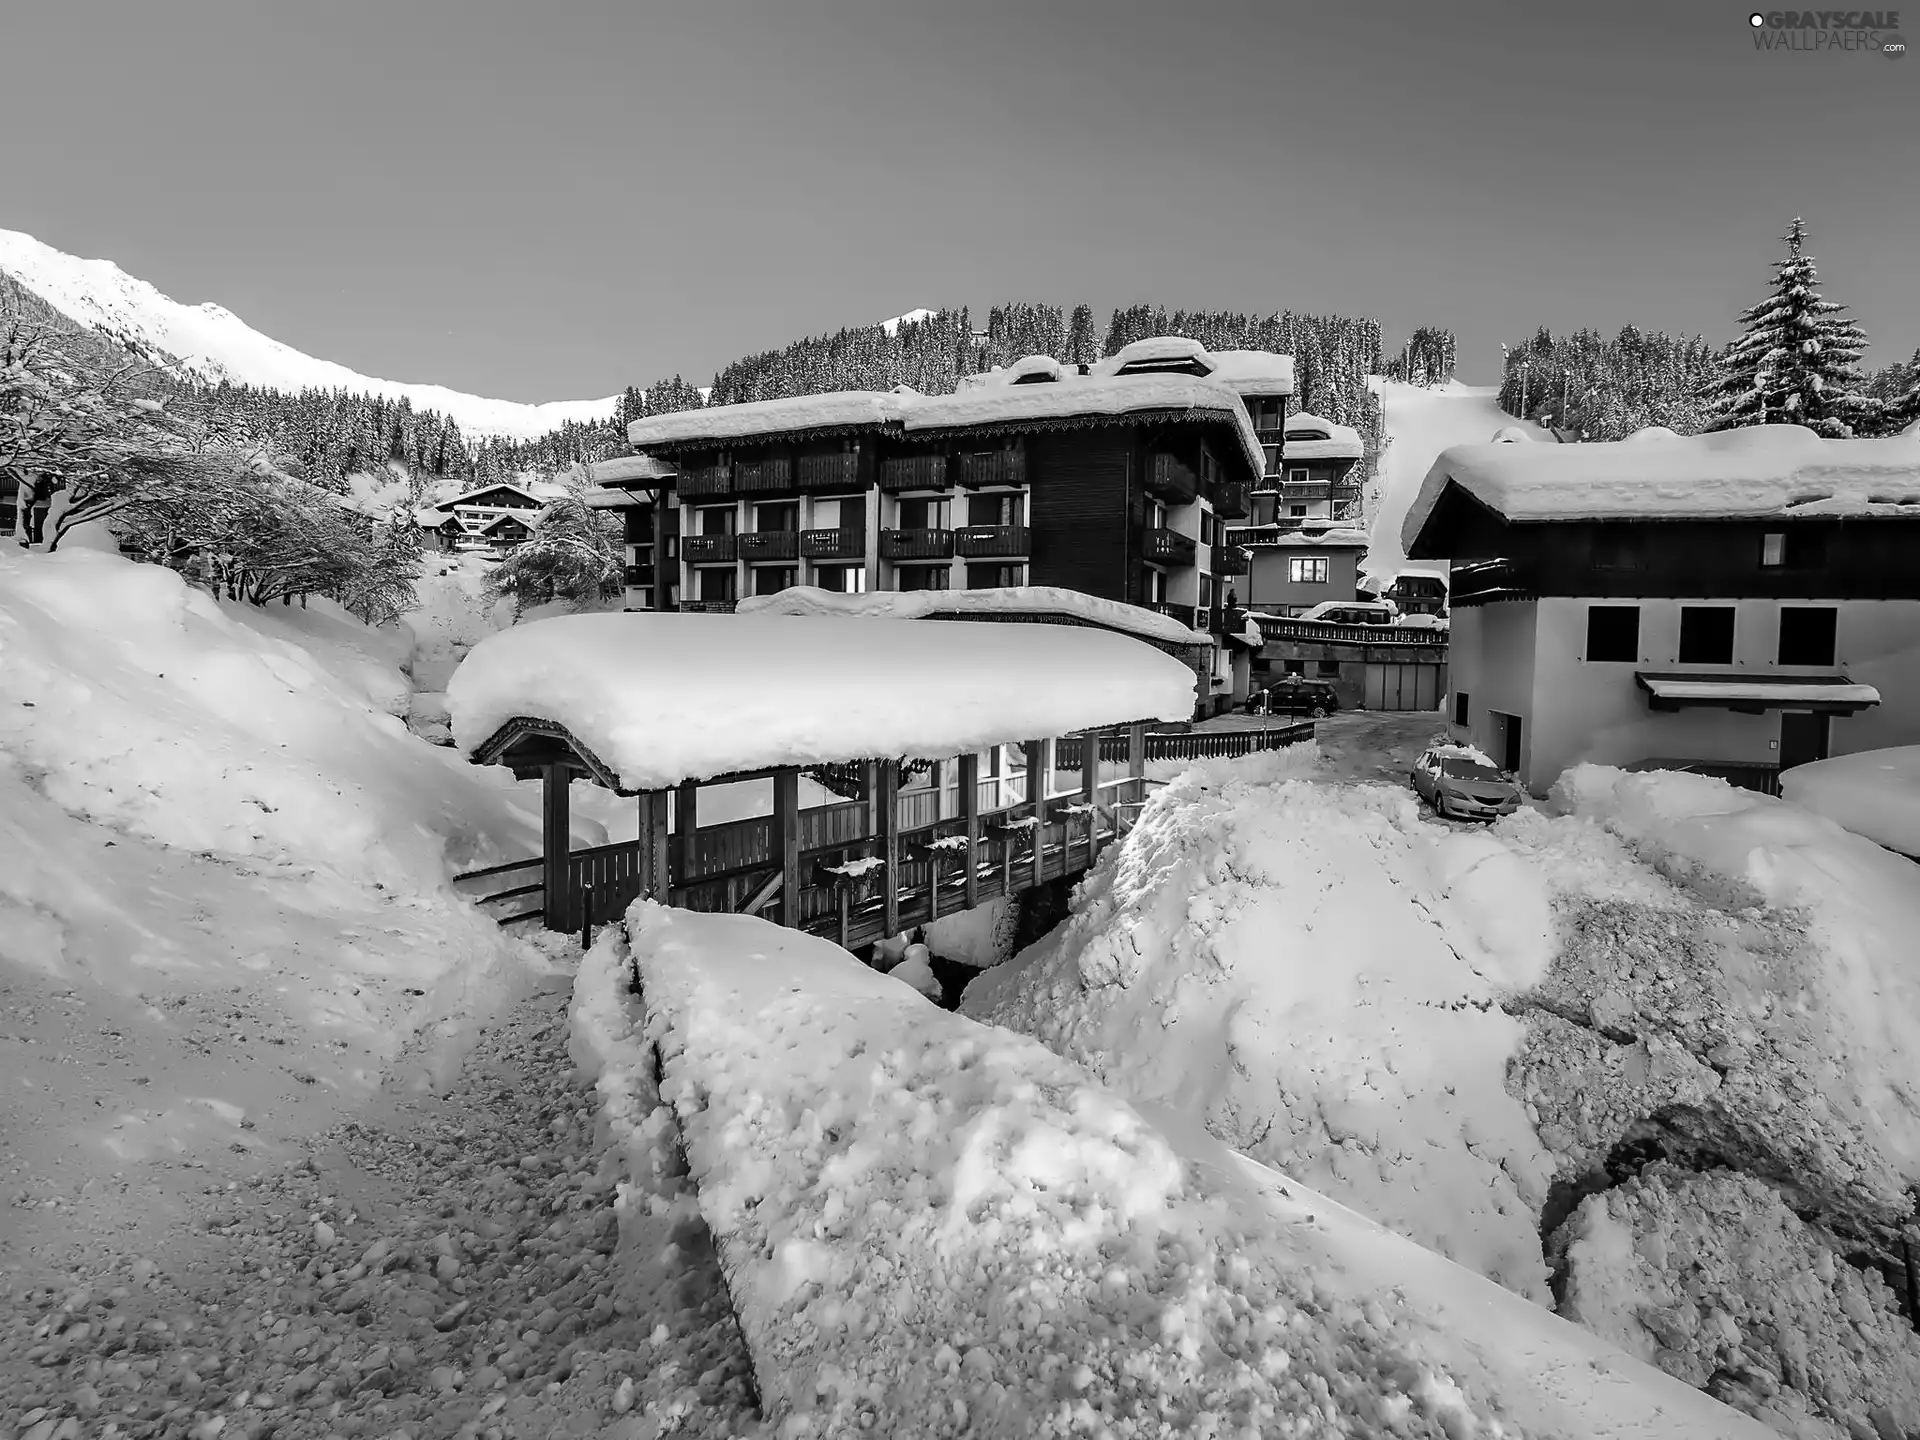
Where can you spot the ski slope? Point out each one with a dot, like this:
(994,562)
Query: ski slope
(213,344)
(1422,422)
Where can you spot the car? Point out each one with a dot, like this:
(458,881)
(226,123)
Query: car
(1294,695)
(1354,612)
(1463,784)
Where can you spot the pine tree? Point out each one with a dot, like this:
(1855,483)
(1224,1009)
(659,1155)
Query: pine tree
(1797,363)
(1080,347)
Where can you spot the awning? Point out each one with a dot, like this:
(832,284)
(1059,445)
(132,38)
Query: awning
(1755,694)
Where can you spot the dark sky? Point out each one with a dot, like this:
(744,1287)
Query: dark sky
(551,200)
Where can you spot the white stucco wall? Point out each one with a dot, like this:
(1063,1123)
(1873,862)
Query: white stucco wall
(1490,659)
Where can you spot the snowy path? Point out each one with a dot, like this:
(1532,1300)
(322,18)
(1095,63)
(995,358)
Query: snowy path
(435,1266)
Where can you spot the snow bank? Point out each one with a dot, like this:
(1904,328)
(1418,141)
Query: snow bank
(1875,793)
(932,1227)
(1259,955)
(997,600)
(1308,437)
(667,697)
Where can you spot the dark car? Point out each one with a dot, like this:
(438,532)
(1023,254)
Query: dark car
(1294,696)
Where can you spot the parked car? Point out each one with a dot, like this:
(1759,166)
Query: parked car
(1463,784)
(1354,612)
(1294,695)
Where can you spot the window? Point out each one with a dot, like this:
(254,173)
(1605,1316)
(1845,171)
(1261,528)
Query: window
(1206,592)
(715,520)
(1773,550)
(715,582)
(1297,512)
(1273,458)
(841,579)
(1307,570)
(1615,547)
(1327,669)
(771,579)
(996,510)
(921,577)
(1264,509)
(1297,475)
(780,516)
(1156,587)
(1706,634)
(989,577)
(1460,710)
(1156,515)
(1296,667)
(932,514)
(1807,635)
(1613,633)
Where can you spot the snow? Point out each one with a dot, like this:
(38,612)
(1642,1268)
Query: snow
(1308,437)
(662,698)
(1004,599)
(1757,472)
(1334,537)
(1875,793)
(767,417)
(631,471)
(1253,372)
(214,344)
(912,317)
(934,1227)
(1734,688)
(1045,367)
(1422,421)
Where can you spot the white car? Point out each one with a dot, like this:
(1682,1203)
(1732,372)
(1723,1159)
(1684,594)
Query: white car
(1354,612)
(1463,784)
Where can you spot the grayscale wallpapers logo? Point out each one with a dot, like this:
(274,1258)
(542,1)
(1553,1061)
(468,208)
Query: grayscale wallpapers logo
(1871,32)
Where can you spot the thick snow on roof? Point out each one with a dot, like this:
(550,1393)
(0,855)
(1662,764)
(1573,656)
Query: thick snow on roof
(766,417)
(1754,473)
(1333,538)
(999,600)
(1875,793)
(898,1195)
(1732,687)
(638,470)
(1154,349)
(1253,372)
(1042,365)
(662,698)
(539,491)
(1320,439)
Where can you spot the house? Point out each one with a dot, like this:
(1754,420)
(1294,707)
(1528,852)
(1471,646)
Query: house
(1291,571)
(1115,479)
(639,488)
(477,510)
(1312,481)
(1739,602)
(1417,592)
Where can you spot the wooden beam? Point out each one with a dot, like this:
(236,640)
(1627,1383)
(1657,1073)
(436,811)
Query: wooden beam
(773,885)
(970,813)
(786,842)
(686,823)
(887,800)
(657,881)
(1089,779)
(556,842)
(1137,761)
(1037,802)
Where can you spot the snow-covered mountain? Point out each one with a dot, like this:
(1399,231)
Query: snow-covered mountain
(210,343)
(912,317)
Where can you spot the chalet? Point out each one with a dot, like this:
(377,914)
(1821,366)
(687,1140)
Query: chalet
(1292,571)
(1736,603)
(638,488)
(1115,479)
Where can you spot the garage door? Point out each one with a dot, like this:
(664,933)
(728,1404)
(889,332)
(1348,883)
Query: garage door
(1402,687)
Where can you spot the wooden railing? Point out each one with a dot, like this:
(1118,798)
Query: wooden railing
(1182,613)
(1232,500)
(772,475)
(1328,632)
(768,545)
(698,549)
(993,467)
(833,544)
(701,480)
(707,607)
(1190,745)
(1167,547)
(1231,560)
(980,542)
(1171,479)
(836,471)
(916,544)
(1490,580)
(913,472)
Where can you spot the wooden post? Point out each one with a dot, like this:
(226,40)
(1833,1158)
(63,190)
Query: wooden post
(556,840)
(656,880)
(1090,792)
(942,771)
(1037,801)
(933,881)
(686,819)
(844,898)
(887,799)
(786,841)
(1137,761)
(970,813)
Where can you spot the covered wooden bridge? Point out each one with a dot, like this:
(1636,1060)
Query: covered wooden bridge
(914,769)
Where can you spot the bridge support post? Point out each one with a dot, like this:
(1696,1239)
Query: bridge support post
(970,813)
(1037,803)
(1137,761)
(887,802)
(1089,791)
(655,871)
(686,828)
(556,841)
(786,841)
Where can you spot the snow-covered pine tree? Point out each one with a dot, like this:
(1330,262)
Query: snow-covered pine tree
(1080,347)
(574,554)
(1798,362)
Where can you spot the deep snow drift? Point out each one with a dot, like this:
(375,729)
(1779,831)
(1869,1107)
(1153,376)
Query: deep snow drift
(1875,793)
(1463,1035)
(933,1227)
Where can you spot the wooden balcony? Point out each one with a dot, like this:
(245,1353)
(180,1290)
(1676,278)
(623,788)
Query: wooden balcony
(768,545)
(706,549)
(913,472)
(707,607)
(772,475)
(835,471)
(1233,500)
(916,544)
(1477,583)
(1231,560)
(698,481)
(1167,547)
(989,542)
(993,467)
(833,544)
(1305,490)
(1171,479)
(1182,613)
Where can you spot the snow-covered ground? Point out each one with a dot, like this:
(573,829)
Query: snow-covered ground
(1465,1035)
(1420,423)
(214,344)
(1875,793)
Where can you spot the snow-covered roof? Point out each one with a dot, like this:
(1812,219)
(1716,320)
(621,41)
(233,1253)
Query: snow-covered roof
(1308,437)
(1253,372)
(1154,350)
(659,698)
(640,470)
(510,518)
(1754,473)
(1033,368)
(1511,435)
(538,491)
(1875,793)
(992,399)
(430,517)
(1735,689)
(1000,600)
(598,499)
(1334,538)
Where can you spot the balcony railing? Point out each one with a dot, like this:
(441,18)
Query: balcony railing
(768,545)
(833,544)
(913,472)
(993,467)
(1168,547)
(707,607)
(916,544)
(698,480)
(836,471)
(1491,580)
(1182,613)
(1171,479)
(986,542)
(706,549)
(1326,632)
(772,475)
(1231,560)
(1233,500)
